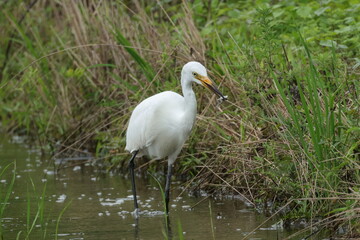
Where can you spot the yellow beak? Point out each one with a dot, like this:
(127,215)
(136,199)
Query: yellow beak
(210,85)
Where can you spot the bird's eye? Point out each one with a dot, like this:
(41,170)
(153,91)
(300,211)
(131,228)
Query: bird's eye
(194,74)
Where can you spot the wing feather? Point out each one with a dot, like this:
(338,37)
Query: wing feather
(150,117)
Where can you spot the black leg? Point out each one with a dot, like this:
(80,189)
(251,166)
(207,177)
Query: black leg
(167,187)
(168,227)
(132,175)
(136,229)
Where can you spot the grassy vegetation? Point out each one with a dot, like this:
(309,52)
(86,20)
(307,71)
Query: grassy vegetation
(36,224)
(289,133)
(5,195)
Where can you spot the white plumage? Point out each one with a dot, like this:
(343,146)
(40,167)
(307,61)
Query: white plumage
(160,125)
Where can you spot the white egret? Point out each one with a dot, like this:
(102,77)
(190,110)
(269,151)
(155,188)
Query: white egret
(160,124)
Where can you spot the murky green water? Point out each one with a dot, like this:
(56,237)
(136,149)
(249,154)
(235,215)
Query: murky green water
(101,204)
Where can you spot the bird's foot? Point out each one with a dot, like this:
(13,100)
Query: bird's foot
(135,213)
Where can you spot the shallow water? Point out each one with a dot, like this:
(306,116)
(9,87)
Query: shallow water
(100,205)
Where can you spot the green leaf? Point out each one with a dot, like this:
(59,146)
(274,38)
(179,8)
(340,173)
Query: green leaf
(344,29)
(235,13)
(304,11)
(331,43)
(278,13)
(320,11)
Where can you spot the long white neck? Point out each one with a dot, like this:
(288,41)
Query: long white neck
(190,101)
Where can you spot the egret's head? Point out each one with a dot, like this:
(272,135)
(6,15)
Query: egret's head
(197,73)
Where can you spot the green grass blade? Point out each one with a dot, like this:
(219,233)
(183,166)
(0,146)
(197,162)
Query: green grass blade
(294,115)
(59,218)
(145,66)
(211,221)
(162,195)
(5,200)
(180,231)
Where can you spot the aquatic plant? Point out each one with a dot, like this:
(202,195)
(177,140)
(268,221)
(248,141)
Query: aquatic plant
(36,223)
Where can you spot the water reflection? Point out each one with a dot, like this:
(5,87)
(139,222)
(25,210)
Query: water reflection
(101,205)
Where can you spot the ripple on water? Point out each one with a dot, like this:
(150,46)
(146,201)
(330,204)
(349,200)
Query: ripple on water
(186,207)
(113,202)
(61,198)
(123,214)
(148,213)
(77,168)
